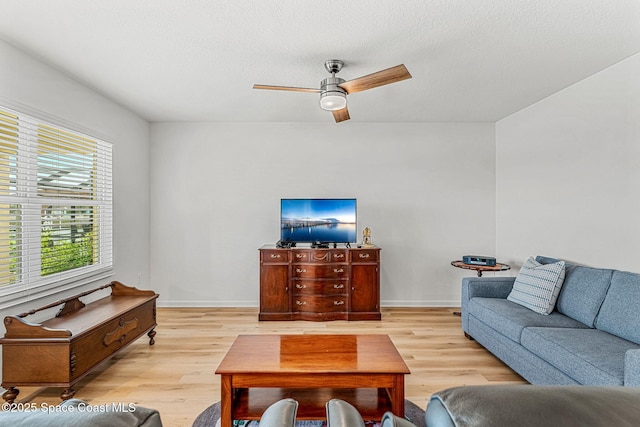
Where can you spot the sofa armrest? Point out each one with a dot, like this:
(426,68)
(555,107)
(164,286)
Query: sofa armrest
(280,414)
(342,414)
(76,412)
(485,287)
(632,368)
(391,420)
(534,406)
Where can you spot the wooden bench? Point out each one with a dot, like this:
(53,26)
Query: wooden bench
(62,350)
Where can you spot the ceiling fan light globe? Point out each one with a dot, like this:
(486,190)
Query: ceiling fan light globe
(332,101)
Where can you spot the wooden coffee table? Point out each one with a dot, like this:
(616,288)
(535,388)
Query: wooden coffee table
(258,370)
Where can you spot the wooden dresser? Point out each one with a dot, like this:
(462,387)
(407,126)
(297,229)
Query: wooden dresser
(62,350)
(319,284)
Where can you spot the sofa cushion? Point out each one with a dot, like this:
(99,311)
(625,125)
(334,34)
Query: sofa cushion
(620,314)
(537,285)
(583,292)
(589,356)
(509,318)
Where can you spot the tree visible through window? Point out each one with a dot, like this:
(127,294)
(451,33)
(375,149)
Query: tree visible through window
(55,203)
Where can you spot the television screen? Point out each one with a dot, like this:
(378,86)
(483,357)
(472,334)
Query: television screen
(318,220)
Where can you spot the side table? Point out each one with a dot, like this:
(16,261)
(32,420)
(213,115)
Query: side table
(479,269)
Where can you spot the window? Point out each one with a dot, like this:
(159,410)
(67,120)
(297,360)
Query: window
(55,206)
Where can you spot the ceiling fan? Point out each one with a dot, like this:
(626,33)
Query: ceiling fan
(334,90)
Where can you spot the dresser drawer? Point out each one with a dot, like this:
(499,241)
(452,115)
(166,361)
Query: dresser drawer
(316,304)
(300,256)
(364,255)
(316,287)
(319,271)
(95,346)
(274,256)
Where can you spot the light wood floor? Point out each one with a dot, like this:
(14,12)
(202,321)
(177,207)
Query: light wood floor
(176,375)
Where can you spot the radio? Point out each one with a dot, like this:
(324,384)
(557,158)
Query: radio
(479,260)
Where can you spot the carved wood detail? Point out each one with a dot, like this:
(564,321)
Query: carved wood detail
(72,361)
(70,306)
(10,395)
(120,332)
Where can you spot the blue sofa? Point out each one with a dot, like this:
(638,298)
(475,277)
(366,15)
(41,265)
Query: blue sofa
(591,338)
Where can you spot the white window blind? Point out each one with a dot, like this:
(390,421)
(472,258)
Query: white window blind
(55,206)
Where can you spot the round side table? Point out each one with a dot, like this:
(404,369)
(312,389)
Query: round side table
(481,268)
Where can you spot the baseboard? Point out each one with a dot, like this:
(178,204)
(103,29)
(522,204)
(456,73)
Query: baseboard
(255,304)
(205,304)
(412,303)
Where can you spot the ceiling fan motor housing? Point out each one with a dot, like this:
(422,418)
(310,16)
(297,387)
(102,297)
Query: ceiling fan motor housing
(332,97)
(333,65)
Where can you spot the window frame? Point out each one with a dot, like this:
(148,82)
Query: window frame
(32,285)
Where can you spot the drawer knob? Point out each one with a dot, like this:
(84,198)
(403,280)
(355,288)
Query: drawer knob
(299,286)
(299,256)
(275,256)
(338,270)
(341,302)
(338,256)
(298,302)
(301,270)
(338,286)
(364,256)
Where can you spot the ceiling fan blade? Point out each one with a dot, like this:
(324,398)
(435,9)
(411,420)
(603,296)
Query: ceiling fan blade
(341,115)
(289,88)
(381,78)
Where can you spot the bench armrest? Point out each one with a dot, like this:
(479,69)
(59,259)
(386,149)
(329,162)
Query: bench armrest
(632,368)
(484,287)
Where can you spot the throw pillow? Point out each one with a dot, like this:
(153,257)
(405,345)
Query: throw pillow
(537,285)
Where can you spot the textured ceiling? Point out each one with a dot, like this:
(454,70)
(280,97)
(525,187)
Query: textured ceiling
(196,60)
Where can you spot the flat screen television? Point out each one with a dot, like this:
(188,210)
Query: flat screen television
(318,220)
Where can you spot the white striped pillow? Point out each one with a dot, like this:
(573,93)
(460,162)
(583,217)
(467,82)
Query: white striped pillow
(537,285)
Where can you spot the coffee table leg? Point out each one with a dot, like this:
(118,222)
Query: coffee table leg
(226,394)
(397,396)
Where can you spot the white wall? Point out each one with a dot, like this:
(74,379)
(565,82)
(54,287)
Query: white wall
(568,173)
(28,84)
(426,190)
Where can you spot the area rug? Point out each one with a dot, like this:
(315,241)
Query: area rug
(210,416)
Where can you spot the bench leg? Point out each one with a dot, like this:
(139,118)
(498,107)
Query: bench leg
(11,394)
(68,393)
(151,334)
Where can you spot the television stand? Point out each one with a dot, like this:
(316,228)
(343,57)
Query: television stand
(319,283)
